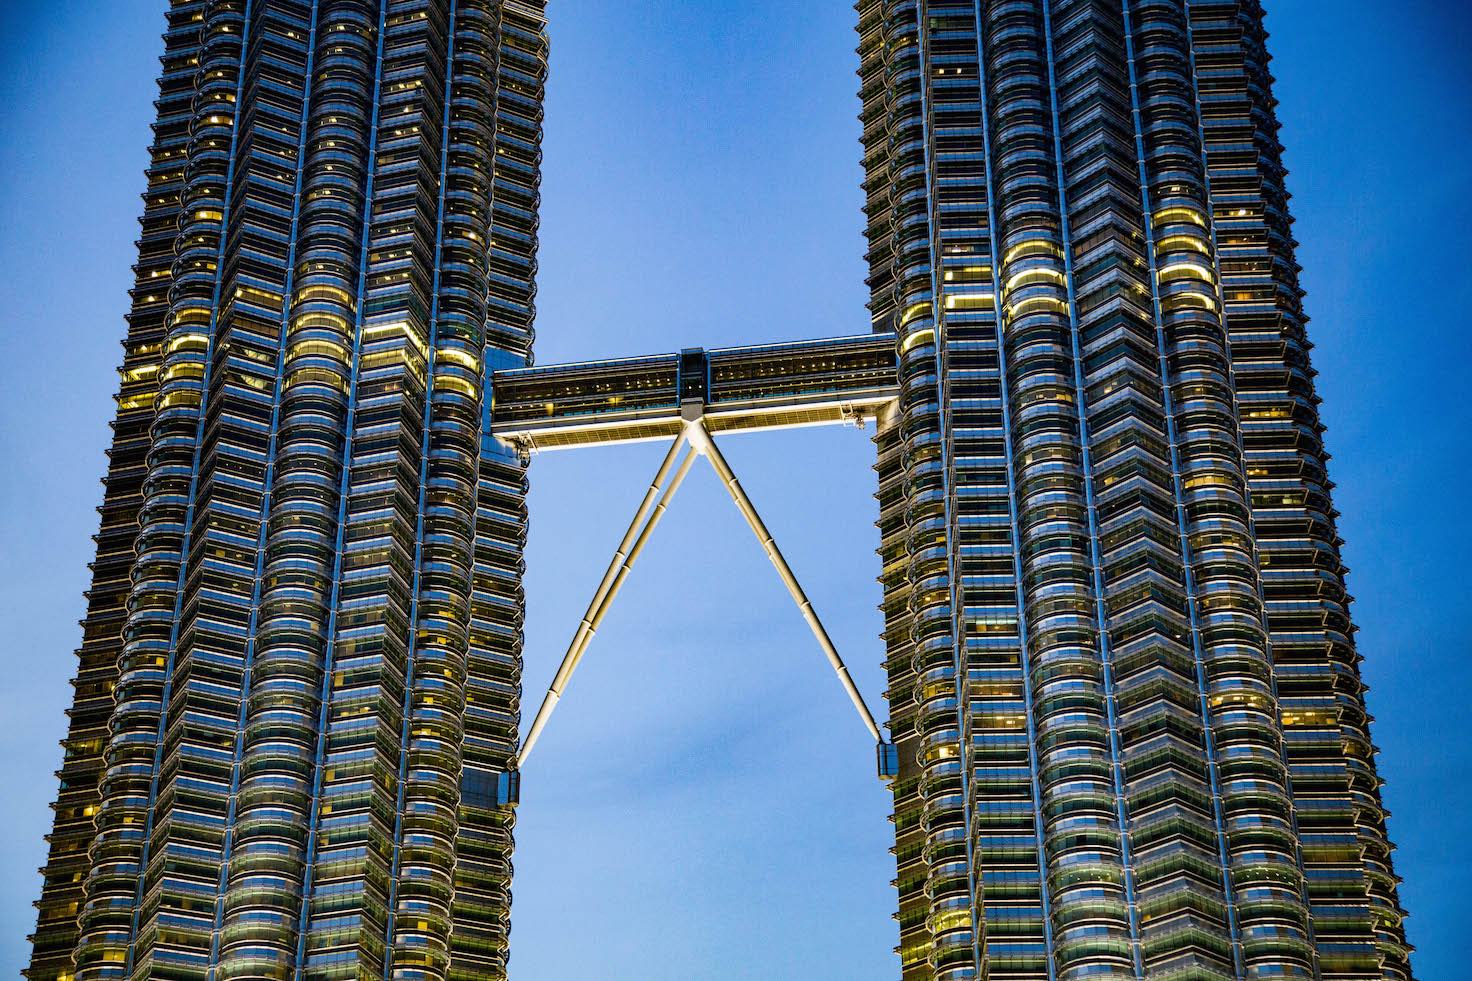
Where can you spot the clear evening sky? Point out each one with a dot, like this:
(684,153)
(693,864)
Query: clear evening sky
(703,805)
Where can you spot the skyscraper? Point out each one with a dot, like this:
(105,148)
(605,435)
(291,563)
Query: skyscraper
(1110,510)
(305,613)
(1127,734)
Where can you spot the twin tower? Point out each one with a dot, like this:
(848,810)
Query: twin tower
(1127,736)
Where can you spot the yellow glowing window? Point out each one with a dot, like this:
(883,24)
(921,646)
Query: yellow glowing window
(464,359)
(916,339)
(1167,216)
(1170,243)
(955,919)
(140,373)
(1032,277)
(969,301)
(318,376)
(321,291)
(915,312)
(967,274)
(384,331)
(451,383)
(1184,270)
(183,370)
(382,359)
(259,295)
(1037,304)
(321,349)
(1189,300)
(1032,247)
(318,320)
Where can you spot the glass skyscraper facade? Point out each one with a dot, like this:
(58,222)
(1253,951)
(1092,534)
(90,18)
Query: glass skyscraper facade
(1129,732)
(1123,676)
(303,632)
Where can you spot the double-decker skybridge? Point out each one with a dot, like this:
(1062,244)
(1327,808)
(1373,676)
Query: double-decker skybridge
(688,399)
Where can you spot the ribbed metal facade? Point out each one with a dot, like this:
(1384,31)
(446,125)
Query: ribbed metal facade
(1122,674)
(1131,731)
(303,635)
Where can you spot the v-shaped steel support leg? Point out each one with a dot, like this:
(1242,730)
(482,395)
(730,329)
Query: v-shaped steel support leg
(651,509)
(701,439)
(645,519)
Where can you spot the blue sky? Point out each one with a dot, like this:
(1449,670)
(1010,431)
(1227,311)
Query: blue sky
(703,803)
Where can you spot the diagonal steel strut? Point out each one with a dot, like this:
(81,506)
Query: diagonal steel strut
(656,501)
(702,441)
(618,569)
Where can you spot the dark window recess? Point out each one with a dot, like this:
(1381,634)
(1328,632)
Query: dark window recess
(888,758)
(479,788)
(694,371)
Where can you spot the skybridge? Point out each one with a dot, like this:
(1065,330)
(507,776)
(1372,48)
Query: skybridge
(764,386)
(687,399)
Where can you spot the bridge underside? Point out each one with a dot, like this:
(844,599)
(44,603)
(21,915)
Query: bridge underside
(765,386)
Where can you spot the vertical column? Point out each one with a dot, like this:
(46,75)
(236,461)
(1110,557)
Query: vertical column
(977,896)
(213,648)
(1169,815)
(512,161)
(1003,435)
(1237,681)
(879,120)
(280,734)
(1011,896)
(439,615)
(1357,918)
(127,830)
(1076,717)
(350,881)
(83,785)
(1254,812)
(938,656)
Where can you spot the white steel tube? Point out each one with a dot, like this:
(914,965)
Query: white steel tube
(637,550)
(613,579)
(702,441)
(568,661)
